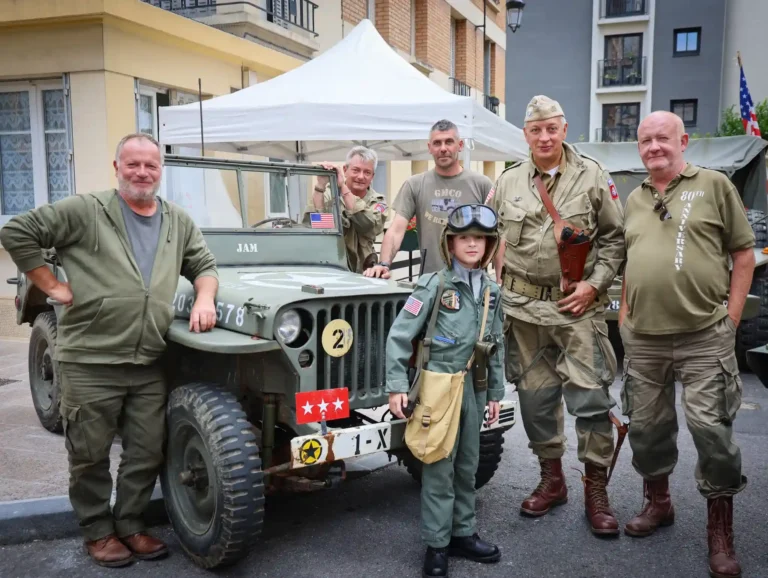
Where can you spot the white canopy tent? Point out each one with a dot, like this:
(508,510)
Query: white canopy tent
(358,92)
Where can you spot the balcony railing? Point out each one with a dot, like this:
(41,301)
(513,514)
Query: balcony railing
(461,88)
(298,13)
(616,134)
(621,72)
(623,8)
(492,103)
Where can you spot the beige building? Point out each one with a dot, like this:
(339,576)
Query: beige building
(77,75)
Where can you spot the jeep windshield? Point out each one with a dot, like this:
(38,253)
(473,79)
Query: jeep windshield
(235,196)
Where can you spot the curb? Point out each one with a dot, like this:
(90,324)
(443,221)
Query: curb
(52,518)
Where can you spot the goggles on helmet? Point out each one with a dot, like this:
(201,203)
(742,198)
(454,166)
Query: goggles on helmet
(466,217)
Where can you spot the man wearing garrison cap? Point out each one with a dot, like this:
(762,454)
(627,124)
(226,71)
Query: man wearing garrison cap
(557,337)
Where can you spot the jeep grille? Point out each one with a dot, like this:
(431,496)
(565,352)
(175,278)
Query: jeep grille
(362,370)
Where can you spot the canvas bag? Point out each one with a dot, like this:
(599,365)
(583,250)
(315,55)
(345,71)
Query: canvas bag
(431,430)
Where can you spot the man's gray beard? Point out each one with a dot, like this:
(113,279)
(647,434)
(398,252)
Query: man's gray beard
(130,193)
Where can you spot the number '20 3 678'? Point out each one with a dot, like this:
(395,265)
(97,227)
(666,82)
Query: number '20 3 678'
(183,303)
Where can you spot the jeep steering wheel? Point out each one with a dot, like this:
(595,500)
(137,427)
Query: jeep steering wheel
(282,219)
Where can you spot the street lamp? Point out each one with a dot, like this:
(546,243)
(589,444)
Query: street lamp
(514,14)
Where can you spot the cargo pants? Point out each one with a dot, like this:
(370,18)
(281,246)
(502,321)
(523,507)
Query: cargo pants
(448,485)
(705,363)
(574,362)
(97,402)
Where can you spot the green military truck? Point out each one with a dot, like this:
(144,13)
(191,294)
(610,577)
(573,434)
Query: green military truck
(292,319)
(742,160)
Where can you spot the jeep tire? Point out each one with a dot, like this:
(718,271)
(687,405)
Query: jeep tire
(44,372)
(754,332)
(212,481)
(491,448)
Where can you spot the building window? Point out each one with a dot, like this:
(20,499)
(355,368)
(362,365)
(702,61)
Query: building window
(149,99)
(624,62)
(687,41)
(620,122)
(35,162)
(686,109)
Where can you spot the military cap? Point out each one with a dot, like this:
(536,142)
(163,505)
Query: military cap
(541,108)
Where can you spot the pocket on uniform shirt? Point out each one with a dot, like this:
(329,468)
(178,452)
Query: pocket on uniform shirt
(512,219)
(578,212)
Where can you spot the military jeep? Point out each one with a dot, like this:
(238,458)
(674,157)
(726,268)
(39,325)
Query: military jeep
(234,433)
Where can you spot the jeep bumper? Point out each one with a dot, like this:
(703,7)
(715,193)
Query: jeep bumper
(347,443)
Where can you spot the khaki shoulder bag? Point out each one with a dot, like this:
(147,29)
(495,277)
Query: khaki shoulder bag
(431,430)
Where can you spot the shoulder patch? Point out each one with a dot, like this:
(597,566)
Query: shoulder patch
(490,195)
(413,305)
(612,188)
(380,207)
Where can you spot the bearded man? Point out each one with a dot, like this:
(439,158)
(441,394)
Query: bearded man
(123,251)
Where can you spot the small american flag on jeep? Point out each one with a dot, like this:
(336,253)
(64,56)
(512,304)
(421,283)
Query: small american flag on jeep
(321,220)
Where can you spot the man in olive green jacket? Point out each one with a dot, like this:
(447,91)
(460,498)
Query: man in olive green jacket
(123,251)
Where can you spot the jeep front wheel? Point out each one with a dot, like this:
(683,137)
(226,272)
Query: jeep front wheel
(43,372)
(212,479)
(491,448)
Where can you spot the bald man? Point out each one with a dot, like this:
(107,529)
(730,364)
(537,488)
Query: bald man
(681,226)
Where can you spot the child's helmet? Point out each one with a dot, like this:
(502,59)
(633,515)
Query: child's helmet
(472,219)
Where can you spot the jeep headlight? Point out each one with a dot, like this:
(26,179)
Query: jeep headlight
(289,326)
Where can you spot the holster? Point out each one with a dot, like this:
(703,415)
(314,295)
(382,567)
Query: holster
(574,244)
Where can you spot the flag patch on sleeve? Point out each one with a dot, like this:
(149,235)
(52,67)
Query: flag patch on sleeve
(490,195)
(413,305)
(612,188)
(380,207)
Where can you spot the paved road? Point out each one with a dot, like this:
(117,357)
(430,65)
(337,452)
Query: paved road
(370,526)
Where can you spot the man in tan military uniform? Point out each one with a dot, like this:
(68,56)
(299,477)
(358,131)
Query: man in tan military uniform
(682,225)
(558,341)
(364,211)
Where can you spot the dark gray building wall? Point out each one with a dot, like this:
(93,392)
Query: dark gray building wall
(685,77)
(551,54)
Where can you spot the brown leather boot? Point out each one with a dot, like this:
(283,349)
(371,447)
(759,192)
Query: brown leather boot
(109,551)
(145,547)
(550,492)
(596,504)
(722,555)
(658,511)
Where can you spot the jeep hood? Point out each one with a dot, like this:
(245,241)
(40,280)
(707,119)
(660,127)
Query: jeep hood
(249,298)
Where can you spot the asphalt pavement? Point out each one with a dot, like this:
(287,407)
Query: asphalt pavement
(370,527)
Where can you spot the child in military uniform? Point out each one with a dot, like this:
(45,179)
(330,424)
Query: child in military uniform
(468,244)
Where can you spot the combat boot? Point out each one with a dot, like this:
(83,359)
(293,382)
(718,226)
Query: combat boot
(474,548)
(722,554)
(435,563)
(550,492)
(596,505)
(658,511)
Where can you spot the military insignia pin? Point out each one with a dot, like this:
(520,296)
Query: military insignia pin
(450,299)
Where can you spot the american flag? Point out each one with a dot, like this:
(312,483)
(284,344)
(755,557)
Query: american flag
(321,220)
(748,115)
(413,305)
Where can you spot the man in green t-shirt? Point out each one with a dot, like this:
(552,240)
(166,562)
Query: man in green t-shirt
(681,227)
(429,197)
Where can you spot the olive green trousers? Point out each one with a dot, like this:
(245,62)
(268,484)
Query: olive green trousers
(448,485)
(98,402)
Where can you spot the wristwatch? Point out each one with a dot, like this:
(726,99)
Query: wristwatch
(384,264)
(319,190)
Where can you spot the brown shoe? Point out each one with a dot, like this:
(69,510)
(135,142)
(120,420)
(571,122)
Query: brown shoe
(145,547)
(722,554)
(550,492)
(596,504)
(658,511)
(109,551)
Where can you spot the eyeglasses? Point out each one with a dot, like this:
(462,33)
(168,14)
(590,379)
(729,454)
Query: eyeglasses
(664,215)
(466,217)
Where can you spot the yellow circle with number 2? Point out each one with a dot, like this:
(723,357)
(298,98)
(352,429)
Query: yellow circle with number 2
(337,338)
